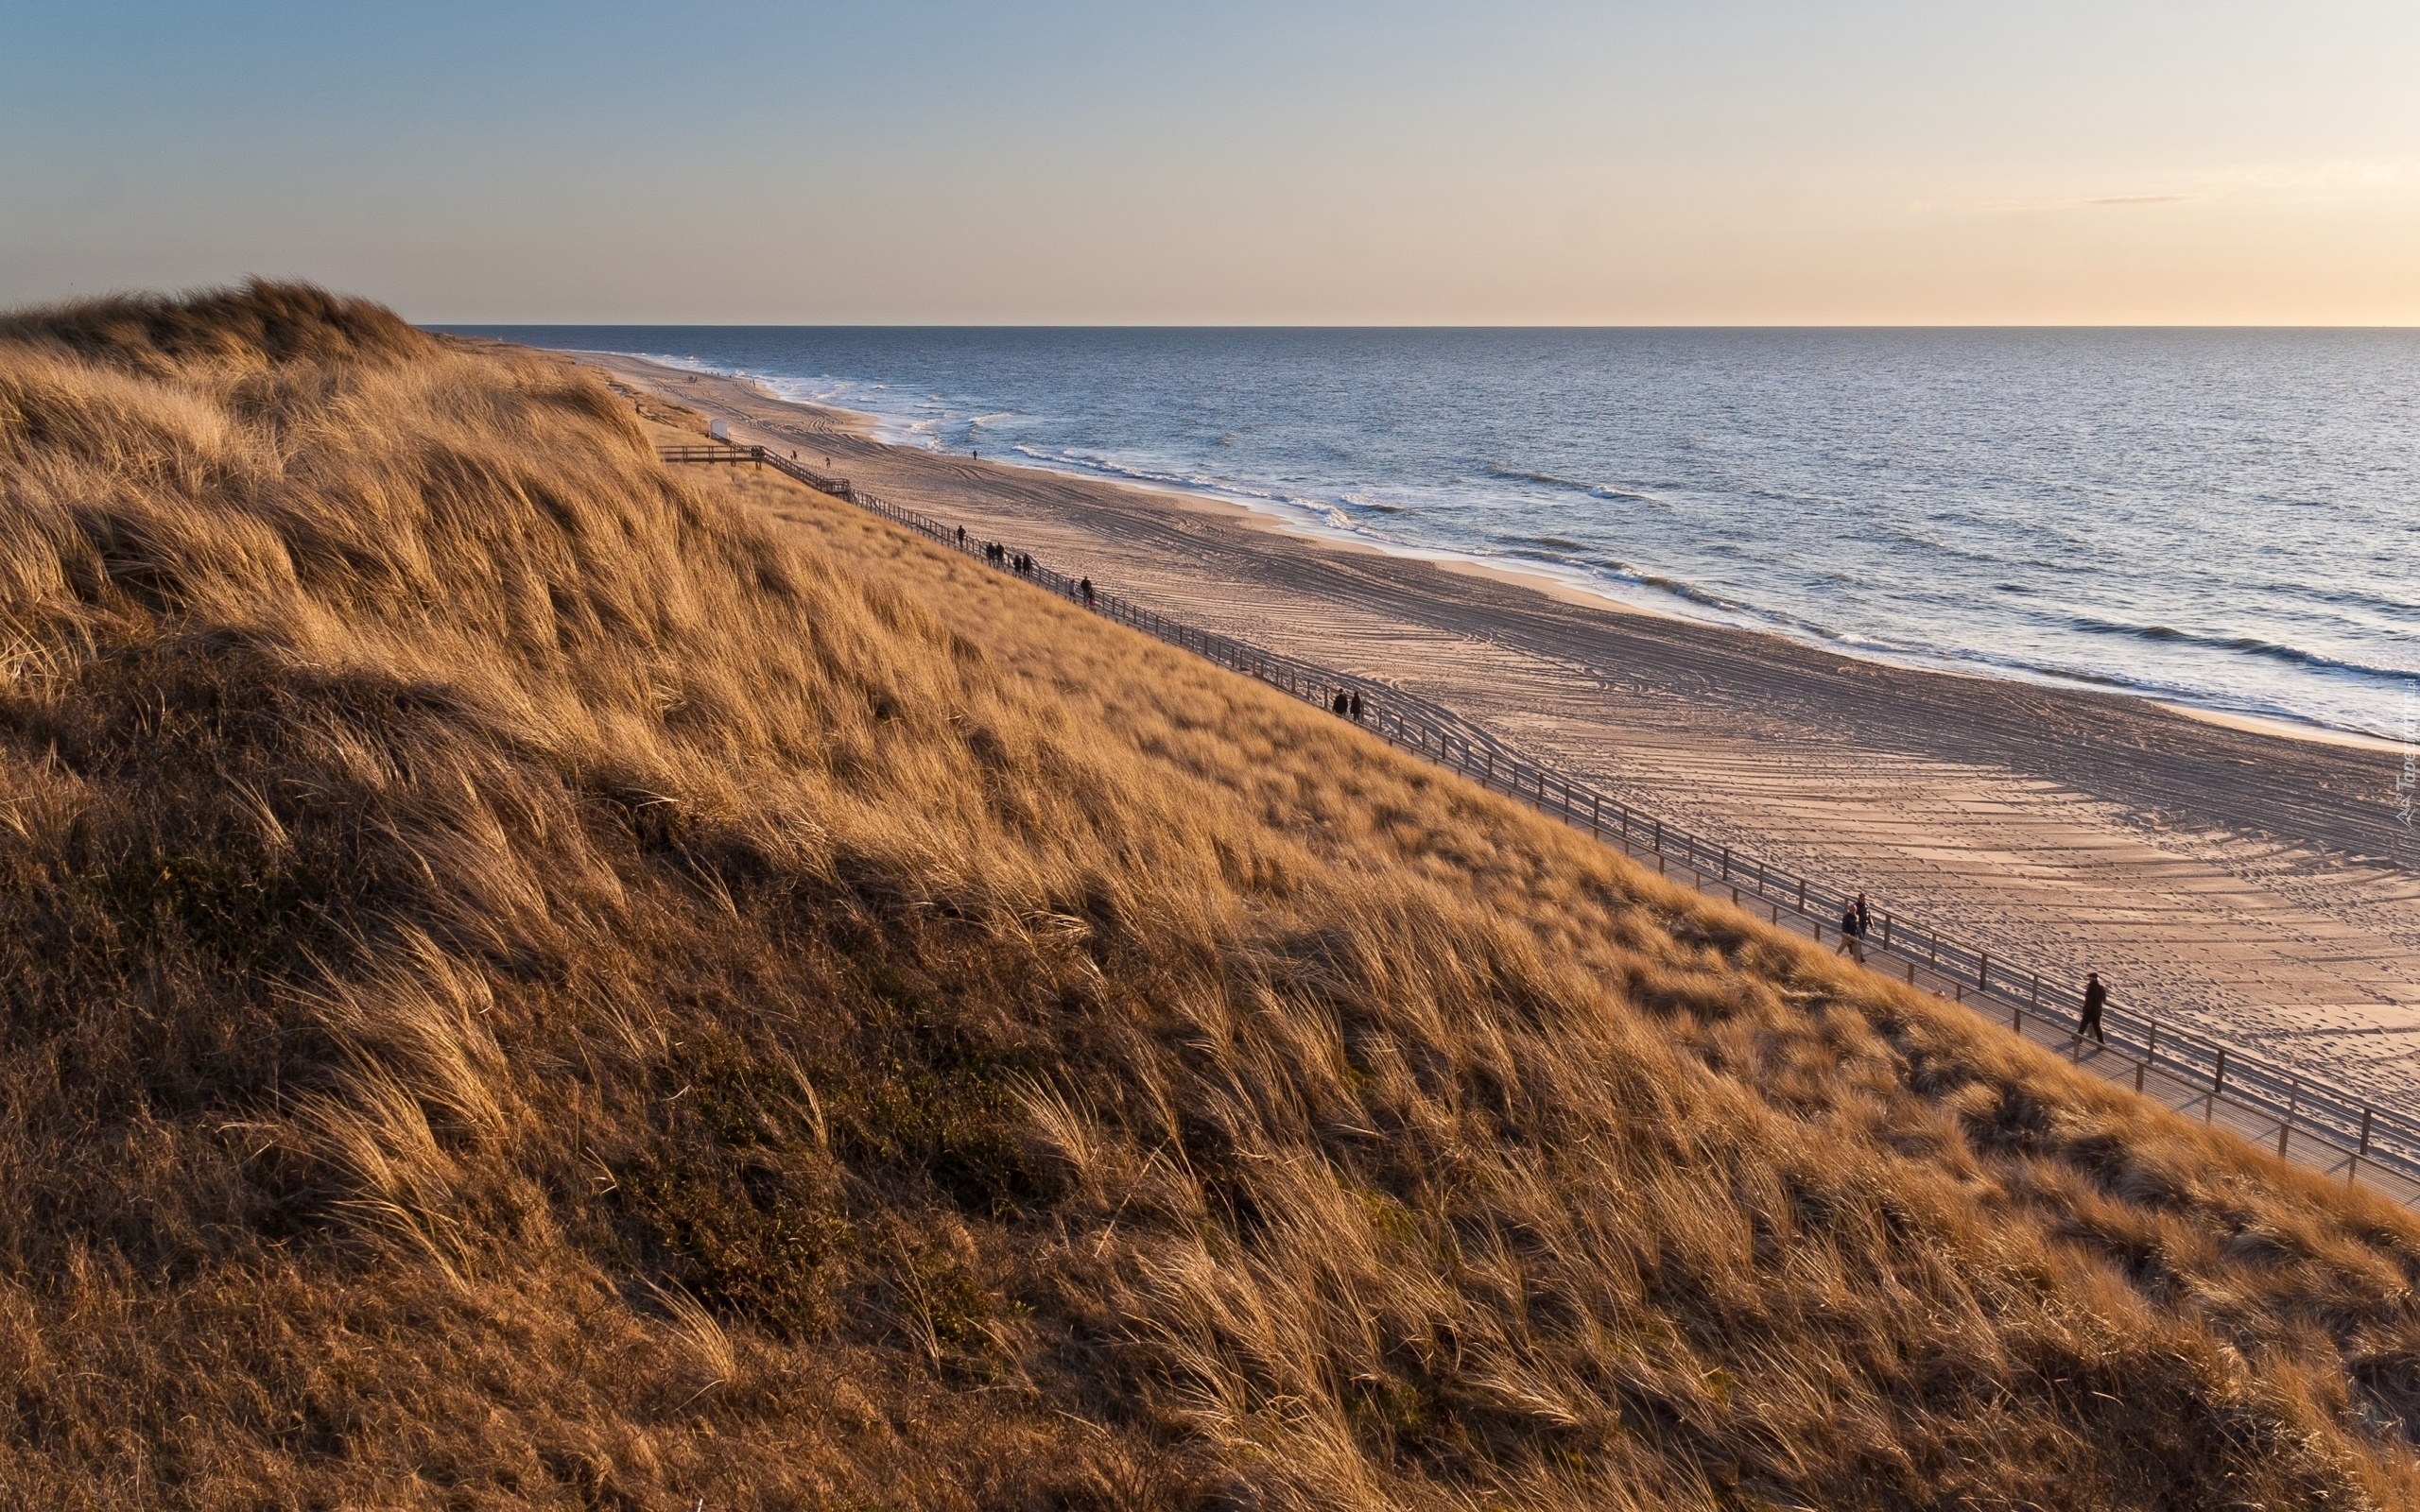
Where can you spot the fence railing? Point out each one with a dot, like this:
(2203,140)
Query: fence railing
(2313,1116)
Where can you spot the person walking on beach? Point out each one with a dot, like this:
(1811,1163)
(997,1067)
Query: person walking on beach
(2096,997)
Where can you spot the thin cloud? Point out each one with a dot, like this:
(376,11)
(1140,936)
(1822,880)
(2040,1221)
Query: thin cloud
(2041,207)
(2277,183)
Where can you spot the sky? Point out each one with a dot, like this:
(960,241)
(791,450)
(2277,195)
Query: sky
(1529,162)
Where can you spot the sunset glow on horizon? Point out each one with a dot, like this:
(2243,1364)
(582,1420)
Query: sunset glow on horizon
(1541,163)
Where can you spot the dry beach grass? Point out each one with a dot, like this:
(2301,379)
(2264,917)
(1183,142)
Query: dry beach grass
(2256,889)
(531,981)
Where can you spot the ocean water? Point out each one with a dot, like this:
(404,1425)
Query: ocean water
(2228,519)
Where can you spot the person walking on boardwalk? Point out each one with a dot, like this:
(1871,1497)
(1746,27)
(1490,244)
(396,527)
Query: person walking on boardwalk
(1355,710)
(1851,934)
(1337,705)
(1087,586)
(1864,919)
(2096,997)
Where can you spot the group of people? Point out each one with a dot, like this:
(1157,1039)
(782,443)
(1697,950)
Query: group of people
(1000,555)
(1857,922)
(1020,563)
(1347,703)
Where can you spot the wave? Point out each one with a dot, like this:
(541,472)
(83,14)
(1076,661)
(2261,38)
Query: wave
(1514,474)
(1686,592)
(2241,646)
(2352,597)
(1110,467)
(1330,512)
(1550,480)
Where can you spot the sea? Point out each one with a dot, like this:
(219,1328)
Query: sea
(2225,519)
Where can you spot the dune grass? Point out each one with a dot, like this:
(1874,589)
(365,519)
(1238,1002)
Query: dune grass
(534,981)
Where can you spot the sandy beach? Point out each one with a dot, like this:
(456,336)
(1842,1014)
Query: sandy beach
(2254,886)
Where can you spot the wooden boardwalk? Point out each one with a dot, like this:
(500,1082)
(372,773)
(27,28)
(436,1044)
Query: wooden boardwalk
(2328,1127)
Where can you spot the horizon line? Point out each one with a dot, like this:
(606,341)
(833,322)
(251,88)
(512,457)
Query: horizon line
(1527,325)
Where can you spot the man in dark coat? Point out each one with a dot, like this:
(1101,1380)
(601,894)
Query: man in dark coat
(2096,997)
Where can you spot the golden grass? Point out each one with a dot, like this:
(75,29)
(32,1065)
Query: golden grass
(531,981)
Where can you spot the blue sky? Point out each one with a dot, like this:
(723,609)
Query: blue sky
(1519,162)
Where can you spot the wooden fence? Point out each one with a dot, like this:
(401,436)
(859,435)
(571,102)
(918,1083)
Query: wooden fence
(2311,1119)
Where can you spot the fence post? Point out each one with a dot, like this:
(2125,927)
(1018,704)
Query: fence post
(2286,1124)
(1726,866)
(1802,895)
(1593,801)
(2218,1080)
(1983,971)
(1886,942)
(1659,838)
(2354,1167)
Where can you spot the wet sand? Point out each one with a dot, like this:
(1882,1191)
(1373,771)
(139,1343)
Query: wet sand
(2257,889)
